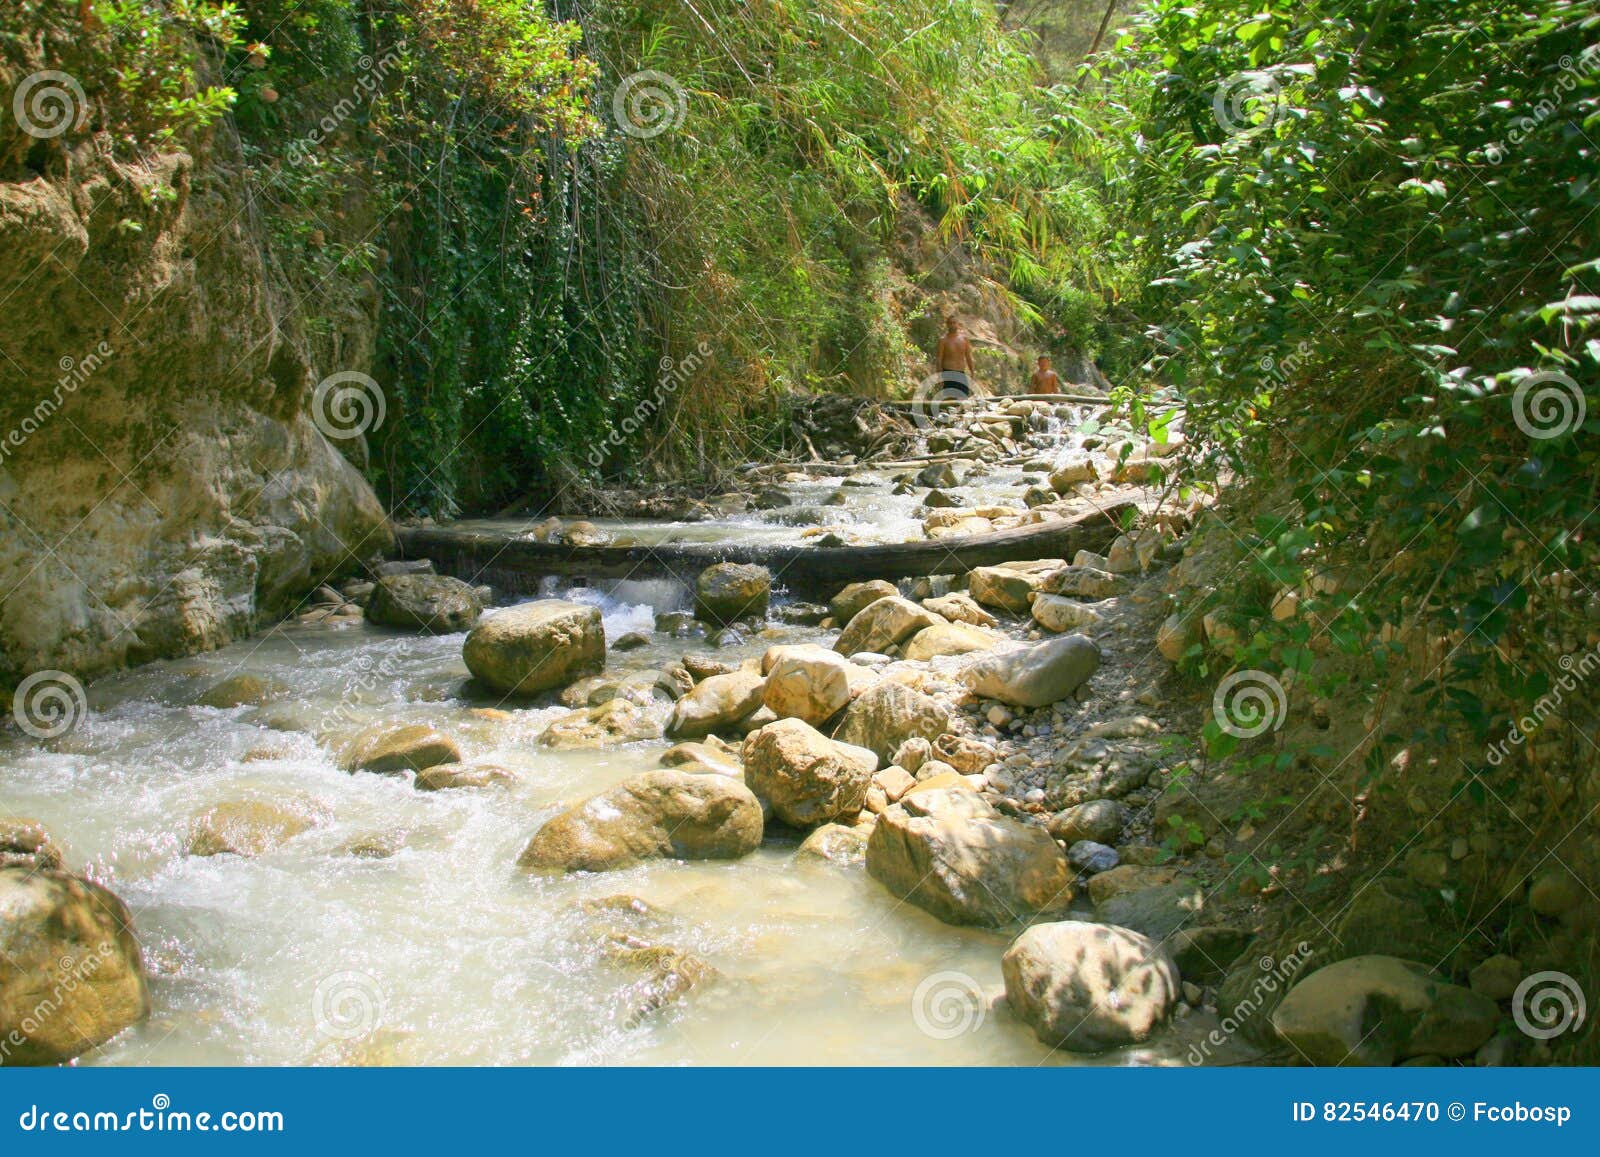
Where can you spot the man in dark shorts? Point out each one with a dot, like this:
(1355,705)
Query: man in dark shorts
(955,369)
(1045,379)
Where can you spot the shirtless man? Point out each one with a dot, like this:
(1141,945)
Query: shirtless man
(956,368)
(1045,379)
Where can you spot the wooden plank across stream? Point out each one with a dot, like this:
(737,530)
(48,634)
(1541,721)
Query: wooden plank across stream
(517,564)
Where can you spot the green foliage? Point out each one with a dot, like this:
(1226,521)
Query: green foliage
(1368,248)
(539,262)
(151,52)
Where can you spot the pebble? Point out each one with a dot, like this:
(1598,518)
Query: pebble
(1034,796)
(1497,977)
(1191,992)
(1088,856)
(998,716)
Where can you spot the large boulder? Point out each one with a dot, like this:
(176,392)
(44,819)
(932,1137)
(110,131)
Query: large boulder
(397,750)
(434,603)
(1084,582)
(1159,911)
(73,976)
(1089,987)
(717,702)
(1065,478)
(887,714)
(1100,820)
(1002,588)
(537,646)
(730,591)
(659,814)
(835,843)
(246,828)
(960,607)
(807,682)
(805,777)
(948,639)
(1035,676)
(952,854)
(1060,614)
(26,844)
(1375,1010)
(242,689)
(882,625)
(857,597)
(454,776)
(616,721)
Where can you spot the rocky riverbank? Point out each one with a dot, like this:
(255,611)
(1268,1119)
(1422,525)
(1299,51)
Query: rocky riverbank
(1008,751)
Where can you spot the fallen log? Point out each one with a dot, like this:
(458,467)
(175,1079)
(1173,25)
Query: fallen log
(517,564)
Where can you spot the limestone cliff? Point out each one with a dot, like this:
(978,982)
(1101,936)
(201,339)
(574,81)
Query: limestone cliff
(163,489)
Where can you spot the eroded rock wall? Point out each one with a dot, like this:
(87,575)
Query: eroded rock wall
(163,489)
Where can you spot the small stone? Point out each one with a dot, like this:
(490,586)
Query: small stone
(998,716)
(913,753)
(1554,893)
(1100,821)
(1088,856)
(1497,977)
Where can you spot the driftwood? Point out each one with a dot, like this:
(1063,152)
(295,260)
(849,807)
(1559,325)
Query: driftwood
(517,564)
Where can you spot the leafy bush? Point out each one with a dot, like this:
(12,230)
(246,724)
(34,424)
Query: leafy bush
(1371,266)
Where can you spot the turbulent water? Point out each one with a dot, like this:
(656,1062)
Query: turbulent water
(399,930)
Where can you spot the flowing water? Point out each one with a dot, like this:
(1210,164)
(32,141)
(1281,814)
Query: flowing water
(398,930)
